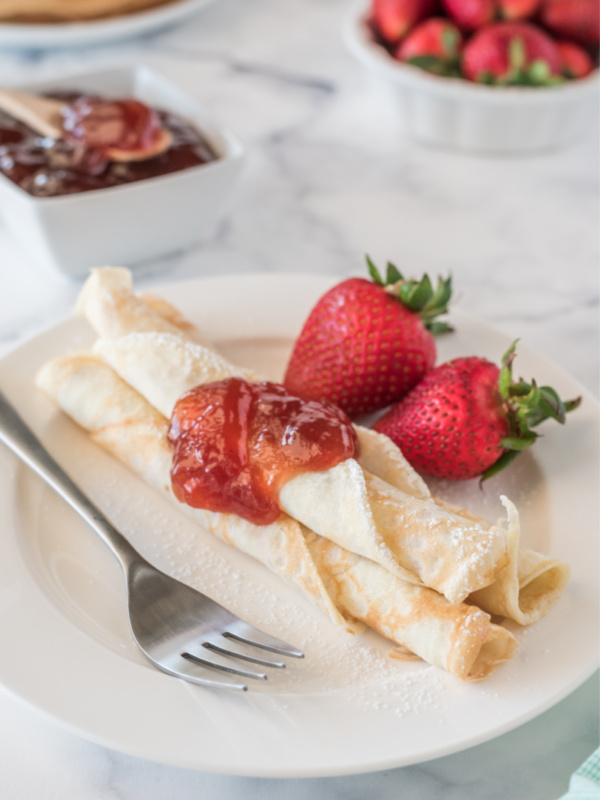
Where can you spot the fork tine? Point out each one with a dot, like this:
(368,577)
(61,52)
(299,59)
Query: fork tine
(196,673)
(263,662)
(243,632)
(216,662)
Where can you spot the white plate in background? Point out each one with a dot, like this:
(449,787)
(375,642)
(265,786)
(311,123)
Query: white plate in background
(347,708)
(98,31)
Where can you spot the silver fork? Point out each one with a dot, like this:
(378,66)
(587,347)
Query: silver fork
(182,631)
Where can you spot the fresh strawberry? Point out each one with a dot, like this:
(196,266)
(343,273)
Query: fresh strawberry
(575,62)
(468,418)
(578,20)
(393,19)
(470,14)
(434,45)
(366,343)
(511,53)
(517,9)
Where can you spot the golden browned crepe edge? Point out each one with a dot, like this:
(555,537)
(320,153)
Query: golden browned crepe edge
(456,637)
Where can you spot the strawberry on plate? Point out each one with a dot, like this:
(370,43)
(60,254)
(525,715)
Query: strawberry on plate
(434,45)
(366,343)
(575,62)
(393,19)
(578,20)
(511,53)
(468,418)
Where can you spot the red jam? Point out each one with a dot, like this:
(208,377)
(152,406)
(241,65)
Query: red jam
(46,167)
(103,124)
(237,443)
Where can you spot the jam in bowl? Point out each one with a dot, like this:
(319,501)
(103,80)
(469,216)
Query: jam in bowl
(81,161)
(146,209)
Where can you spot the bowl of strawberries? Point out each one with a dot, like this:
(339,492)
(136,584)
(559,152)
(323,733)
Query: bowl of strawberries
(492,76)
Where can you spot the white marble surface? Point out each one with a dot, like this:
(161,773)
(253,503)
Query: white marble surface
(326,181)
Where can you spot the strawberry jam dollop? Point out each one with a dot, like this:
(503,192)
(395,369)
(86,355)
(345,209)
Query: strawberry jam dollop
(105,124)
(236,443)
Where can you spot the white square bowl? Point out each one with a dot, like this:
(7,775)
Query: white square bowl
(462,115)
(131,223)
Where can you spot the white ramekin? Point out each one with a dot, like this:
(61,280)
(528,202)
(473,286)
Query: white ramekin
(458,114)
(131,223)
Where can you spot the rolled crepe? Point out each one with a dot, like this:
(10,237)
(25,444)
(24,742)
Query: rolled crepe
(412,537)
(459,638)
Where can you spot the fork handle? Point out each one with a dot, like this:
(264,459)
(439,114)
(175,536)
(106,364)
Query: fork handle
(25,444)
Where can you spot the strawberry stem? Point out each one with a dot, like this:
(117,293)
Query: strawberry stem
(418,296)
(450,41)
(526,405)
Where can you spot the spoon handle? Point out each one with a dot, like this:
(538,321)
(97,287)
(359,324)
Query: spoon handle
(41,113)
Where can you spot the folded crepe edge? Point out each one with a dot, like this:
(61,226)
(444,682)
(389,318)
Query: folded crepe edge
(529,585)
(107,301)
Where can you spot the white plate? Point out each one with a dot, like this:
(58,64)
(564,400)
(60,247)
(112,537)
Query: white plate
(83,34)
(346,708)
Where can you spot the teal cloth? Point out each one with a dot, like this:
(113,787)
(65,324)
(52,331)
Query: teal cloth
(585,782)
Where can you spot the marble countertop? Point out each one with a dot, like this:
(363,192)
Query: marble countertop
(326,180)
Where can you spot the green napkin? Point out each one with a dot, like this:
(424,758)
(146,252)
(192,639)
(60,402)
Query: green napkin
(585,782)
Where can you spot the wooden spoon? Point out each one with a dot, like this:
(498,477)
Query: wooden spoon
(40,113)
(44,116)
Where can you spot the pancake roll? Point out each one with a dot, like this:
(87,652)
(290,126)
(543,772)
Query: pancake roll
(459,638)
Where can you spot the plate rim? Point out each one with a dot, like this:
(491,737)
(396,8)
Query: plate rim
(80,33)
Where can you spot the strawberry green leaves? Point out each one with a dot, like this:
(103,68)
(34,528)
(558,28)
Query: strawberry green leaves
(418,296)
(449,68)
(526,405)
(392,275)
